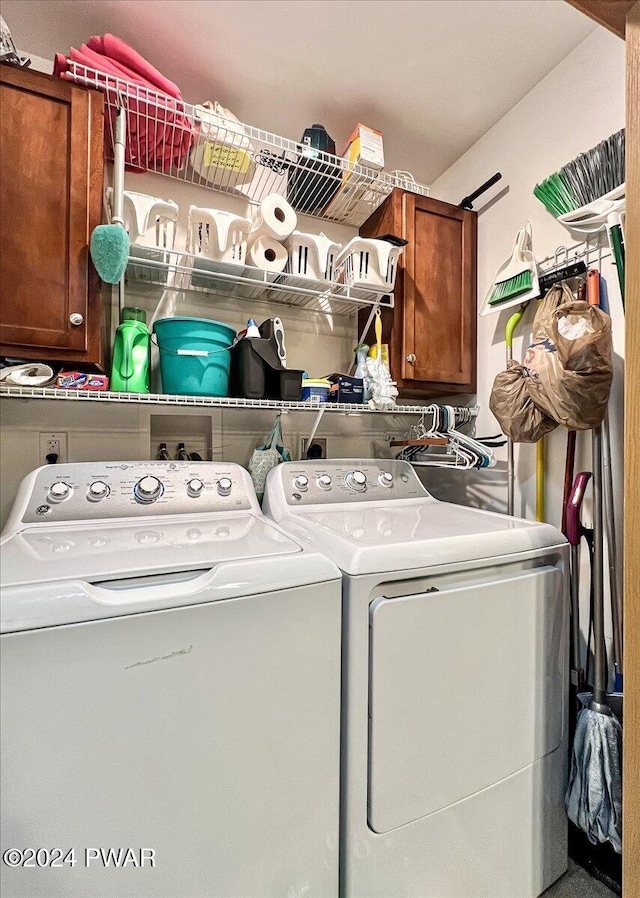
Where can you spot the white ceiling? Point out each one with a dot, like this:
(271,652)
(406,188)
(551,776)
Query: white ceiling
(432,75)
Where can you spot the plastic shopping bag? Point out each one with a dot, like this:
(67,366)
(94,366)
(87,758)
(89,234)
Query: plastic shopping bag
(267,456)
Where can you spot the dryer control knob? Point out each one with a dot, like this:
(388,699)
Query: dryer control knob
(356,480)
(324,482)
(301,482)
(147,489)
(97,490)
(224,486)
(195,487)
(59,491)
(386,478)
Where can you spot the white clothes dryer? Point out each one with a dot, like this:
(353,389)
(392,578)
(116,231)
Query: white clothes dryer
(455,679)
(170,685)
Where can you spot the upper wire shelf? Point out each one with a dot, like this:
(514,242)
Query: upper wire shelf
(200,146)
(185,272)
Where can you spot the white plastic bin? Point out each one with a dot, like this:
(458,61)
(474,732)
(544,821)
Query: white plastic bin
(312,256)
(369,264)
(151,225)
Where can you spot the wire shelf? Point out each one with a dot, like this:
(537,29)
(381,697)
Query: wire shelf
(200,146)
(185,272)
(348,408)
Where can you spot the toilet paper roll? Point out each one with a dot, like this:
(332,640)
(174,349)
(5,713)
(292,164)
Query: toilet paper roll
(268,254)
(274,218)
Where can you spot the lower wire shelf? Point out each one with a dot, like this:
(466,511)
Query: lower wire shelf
(349,408)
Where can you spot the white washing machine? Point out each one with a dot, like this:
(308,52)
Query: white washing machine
(454,743)
(170,685)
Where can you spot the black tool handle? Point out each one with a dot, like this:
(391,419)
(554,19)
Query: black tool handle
(467,202)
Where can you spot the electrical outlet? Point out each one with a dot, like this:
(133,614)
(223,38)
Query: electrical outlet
(319,447)
(53,444)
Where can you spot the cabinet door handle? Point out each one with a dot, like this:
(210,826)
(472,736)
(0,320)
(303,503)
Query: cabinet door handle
(411,358)
(76,319)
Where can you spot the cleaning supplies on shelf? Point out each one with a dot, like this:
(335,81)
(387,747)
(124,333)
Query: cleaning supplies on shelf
(313,182)
(361,351)
(315,389)
(80,380)
(383,391)
(516,281)
(364,147)
(222,153)
(274,218)
(194,355)
(130,366)
(345,388)
(257,369)
(110,243)
(160,131)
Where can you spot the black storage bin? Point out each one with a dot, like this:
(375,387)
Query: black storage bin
(256,373)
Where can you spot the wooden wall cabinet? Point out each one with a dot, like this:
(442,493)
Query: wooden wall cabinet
(431,331)
(51,170)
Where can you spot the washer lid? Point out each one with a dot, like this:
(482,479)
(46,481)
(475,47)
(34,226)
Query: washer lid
(398,536)
(115,550)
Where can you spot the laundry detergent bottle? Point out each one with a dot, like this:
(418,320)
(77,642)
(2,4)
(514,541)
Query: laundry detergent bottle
(131,353)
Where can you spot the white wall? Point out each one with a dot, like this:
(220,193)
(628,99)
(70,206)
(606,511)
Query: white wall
(575,106)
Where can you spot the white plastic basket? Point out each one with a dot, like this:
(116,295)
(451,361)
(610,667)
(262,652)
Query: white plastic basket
(312,256)
(221,155)
(368,263)
(151,224)
(217,239)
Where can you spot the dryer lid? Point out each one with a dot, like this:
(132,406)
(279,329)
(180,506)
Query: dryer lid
(399,536)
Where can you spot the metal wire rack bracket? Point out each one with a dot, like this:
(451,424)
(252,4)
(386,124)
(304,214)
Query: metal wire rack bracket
(201,146)
(592,251)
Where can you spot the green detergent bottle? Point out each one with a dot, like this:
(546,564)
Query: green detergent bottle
(131,353)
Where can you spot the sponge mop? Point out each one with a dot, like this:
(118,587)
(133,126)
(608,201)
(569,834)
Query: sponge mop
(110,243)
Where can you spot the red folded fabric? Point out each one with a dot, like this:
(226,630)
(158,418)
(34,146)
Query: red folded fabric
(159,132)
(116,49)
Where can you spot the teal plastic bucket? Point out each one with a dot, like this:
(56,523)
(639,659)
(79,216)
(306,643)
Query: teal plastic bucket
(194,355)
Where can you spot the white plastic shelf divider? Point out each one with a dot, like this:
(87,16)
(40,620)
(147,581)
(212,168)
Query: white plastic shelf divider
(185,142)
(185,272)
(352,408)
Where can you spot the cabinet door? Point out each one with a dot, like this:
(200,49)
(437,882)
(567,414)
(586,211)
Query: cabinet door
(51,190)
(439,294)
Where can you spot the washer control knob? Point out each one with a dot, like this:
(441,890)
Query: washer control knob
(147,489)
(195,487)
(224,486)
(59,491)
(324,482)
(356,480)
(301,482)
(385,478)
(98,490)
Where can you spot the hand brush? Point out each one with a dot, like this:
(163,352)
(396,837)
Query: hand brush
(517,280)
(110,243)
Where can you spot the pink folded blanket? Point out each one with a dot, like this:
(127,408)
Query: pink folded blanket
(159,132)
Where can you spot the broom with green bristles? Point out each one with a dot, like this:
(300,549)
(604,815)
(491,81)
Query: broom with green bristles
(588,194)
